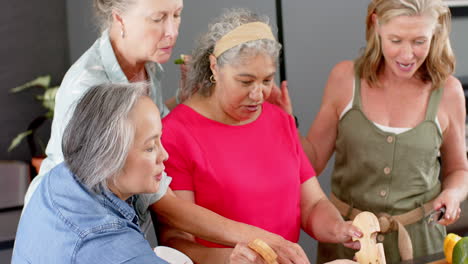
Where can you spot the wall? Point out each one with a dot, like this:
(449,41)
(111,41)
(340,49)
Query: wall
(82,27)
(459,38)
(34,43)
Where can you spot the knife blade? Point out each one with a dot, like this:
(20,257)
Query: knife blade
(435,216)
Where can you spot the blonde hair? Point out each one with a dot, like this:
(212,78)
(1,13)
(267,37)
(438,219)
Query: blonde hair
(440,62)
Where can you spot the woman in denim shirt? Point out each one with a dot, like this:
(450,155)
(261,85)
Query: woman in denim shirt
(83,210)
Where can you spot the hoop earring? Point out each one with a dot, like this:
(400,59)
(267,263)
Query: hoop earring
(212,79)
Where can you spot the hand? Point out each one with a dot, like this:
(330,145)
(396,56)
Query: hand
(183,77)
(243,254)
(342,261)
(345,231)
(287,251)
(280,97)
(448,198)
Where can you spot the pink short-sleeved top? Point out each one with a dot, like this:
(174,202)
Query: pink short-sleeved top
(249,173)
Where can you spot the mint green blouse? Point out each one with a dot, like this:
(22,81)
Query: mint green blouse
(96,66)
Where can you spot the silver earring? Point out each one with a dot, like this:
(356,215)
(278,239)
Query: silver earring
(122,33)
(212,79)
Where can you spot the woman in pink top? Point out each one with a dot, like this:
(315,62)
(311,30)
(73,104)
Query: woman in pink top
(234,153)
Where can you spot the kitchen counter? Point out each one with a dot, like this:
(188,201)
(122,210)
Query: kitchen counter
(438,258)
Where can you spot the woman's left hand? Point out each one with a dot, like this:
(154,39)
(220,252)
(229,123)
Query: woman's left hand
(449,199)
(345,232)
(280,97)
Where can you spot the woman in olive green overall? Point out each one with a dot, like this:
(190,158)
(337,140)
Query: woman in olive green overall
(388,116)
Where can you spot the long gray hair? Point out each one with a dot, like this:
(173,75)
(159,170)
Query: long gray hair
(198,78)
(99,135)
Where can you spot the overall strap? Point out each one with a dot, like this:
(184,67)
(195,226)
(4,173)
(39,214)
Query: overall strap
(433,105)
(357,91)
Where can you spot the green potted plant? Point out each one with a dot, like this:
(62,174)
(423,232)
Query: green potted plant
(47,100)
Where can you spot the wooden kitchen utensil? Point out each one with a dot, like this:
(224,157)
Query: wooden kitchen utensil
(371,252)
(264,250)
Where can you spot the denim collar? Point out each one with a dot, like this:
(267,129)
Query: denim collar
(123,207)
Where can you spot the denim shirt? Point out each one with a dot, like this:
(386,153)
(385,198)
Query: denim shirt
(96,66)
(65,222)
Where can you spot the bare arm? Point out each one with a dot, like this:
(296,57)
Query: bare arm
(321,219)
(319,144)
(181,213)
(453,153)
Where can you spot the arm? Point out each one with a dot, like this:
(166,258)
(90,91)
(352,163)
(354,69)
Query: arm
(173,211)
(453,152)
(171,103)
(319,144)
(320,218)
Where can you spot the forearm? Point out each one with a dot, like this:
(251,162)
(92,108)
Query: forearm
(206,224)
(457,181)
(185,242)
(322,222)
(199,253)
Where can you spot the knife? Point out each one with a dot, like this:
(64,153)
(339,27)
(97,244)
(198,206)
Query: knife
(435,216)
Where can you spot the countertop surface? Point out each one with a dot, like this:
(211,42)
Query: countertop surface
(438,258)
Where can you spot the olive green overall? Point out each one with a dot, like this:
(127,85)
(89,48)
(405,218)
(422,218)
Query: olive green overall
(388,173)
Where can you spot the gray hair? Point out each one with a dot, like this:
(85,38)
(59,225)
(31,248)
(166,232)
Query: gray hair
(103,10)
(198,77)
(99,135)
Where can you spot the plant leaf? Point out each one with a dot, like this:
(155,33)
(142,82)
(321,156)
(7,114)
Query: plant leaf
(48,100)
(43,81)
(15,142)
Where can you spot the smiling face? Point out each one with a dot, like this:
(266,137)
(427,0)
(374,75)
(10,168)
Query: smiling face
(151,28)
(143,168)
(242,88)
(406,42)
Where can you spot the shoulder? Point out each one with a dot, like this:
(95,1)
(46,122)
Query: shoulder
(75,205)
(452,104)
(177,118)
(125,246)
(453,94)
(453,87)
(275,116)
(343,69)
(339,87)
(87,71)
(178,126)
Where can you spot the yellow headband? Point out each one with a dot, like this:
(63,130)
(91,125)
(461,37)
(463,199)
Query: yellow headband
(241,34)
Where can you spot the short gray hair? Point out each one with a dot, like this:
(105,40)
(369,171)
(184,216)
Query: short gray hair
(99,135)
(198,78)
(103,10)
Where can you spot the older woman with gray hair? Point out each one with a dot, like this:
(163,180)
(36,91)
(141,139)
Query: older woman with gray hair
(82,211)
(137,37)
(237,155)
